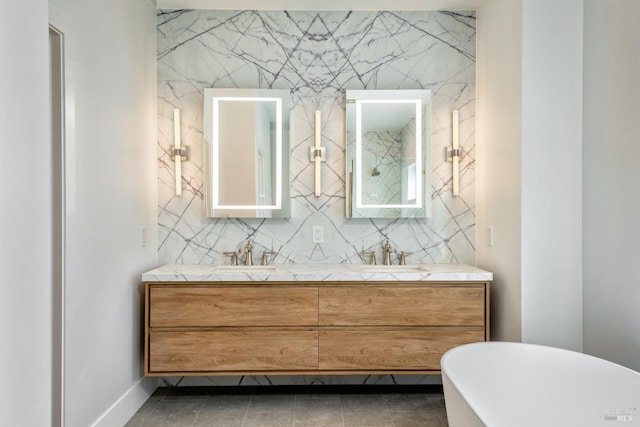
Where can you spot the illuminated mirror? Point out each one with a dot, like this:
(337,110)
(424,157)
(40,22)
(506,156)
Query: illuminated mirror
(388,153)
(247,153)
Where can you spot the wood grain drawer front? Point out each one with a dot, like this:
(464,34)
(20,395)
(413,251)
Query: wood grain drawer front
(390,350)
(384,305)
(208,351)
(227,306)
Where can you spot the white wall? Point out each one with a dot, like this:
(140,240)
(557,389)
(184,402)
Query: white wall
(111,194)
(529,167)
(25,216)
(611,203)
(499,127)
(552,172)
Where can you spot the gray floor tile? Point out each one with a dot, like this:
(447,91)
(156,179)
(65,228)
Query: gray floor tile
(220,418)
(362,400)
(272,403)
(307,407)
(318,412)
(175,413)
(400,402)
(367,418)
(188,393)
(416,419)
(269,419)
(436,400)
(234,402)
(366,415)
(145,410)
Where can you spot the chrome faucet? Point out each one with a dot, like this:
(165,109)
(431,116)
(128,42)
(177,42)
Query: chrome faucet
(248,260)
(388,250)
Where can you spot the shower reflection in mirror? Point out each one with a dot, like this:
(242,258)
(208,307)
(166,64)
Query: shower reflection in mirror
(388,153)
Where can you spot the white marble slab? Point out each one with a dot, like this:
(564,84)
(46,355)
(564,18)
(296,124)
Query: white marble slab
(316,272)
(317,56)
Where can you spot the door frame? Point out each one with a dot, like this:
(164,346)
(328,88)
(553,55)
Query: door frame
(57,147)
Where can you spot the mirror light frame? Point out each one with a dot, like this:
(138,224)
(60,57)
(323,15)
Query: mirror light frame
(358,164)
(421,98)
(212,99)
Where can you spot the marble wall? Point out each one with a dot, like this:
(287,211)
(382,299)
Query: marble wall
(317,56)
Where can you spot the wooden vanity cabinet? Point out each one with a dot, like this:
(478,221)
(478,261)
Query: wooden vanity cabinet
(237,328)
(197,329)
(398,326)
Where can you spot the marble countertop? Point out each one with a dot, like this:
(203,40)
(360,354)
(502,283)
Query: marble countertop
(316,272)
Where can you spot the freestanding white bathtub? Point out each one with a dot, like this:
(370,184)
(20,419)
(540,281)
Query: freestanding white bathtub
(503,384)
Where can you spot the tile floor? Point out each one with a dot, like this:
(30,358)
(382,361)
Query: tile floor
(319,406)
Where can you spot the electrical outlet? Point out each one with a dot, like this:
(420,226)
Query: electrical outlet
(490,236)
(317,234)
(143,236)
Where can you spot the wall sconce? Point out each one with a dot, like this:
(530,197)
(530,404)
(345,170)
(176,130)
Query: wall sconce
(179,153)
(317,154)
(454,152)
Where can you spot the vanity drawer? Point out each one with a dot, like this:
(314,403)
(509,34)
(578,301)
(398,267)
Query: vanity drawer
(205,306)
(246,350)
(391,349)
(440,305)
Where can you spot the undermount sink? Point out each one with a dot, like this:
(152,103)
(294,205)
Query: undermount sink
(391,268)
(245,268)
(362,269)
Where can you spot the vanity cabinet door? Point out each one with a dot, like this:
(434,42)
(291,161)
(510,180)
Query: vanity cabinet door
(438,305)
(228,351)
(208,306)
(400,349)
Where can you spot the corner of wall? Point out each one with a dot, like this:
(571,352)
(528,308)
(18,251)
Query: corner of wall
(499,128)
(610,291)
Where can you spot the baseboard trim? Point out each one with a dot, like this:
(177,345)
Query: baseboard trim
(128,404)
